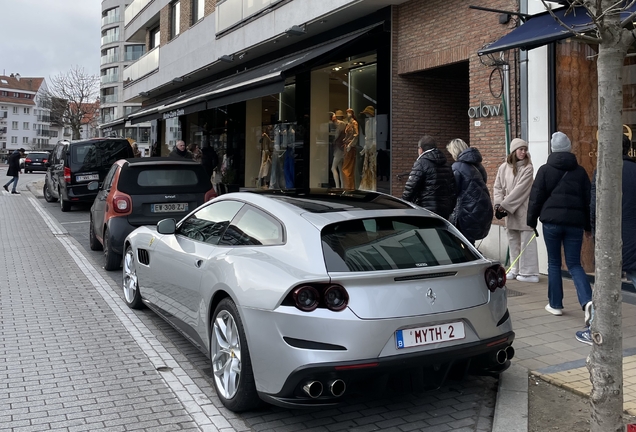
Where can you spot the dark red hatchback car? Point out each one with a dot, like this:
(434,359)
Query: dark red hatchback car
(142,191)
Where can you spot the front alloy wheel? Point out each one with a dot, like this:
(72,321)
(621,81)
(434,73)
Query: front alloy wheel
(231,364)
(132,296)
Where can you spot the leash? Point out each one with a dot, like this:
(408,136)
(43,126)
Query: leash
(534,236)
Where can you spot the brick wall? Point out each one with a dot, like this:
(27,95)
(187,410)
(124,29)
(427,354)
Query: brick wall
(164,24)
(431,97)
(210,6)
(186,15)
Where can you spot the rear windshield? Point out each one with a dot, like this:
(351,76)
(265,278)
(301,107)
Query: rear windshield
(98,154)
(37,155)
(390,243)
(151,179)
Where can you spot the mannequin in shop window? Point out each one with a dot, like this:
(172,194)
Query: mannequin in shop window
(338,128)
(368,181)
(350,144)
(266,159)
(277,177)
(289,164)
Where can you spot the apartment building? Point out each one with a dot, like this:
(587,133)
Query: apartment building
(117,54)
(24,114)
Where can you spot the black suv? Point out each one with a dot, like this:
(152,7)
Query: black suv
(35,162)
(73,165)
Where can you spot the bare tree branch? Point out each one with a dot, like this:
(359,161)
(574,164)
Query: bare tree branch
(576,33)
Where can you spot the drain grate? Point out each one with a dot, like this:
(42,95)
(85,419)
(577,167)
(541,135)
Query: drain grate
(513,293)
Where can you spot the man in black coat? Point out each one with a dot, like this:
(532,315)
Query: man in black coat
(14,170)
(431,183)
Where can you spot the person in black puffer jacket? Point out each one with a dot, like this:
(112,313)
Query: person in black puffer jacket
(560,197)
(473,212)
(431,183)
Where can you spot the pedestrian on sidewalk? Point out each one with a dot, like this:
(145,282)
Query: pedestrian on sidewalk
(560,198)
(511,192)
(14,170)
(628,230)
(473,212)
(431,183)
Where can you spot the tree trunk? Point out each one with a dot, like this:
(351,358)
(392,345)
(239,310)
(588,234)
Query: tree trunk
(76,133)
(605,362)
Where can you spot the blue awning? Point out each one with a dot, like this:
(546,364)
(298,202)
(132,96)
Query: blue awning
(542,29)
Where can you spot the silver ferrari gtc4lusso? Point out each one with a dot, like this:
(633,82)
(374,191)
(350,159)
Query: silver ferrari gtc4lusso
(298,295)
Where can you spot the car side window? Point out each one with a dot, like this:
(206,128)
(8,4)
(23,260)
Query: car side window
(253,227)
(208,224)
(108,181)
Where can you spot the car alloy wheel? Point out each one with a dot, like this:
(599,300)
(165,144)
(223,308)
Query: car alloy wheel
(231,364)
(48,197)
(132,296)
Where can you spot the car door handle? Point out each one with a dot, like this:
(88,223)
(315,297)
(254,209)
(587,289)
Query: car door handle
(198,263)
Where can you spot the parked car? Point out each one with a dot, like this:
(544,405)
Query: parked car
(142,191)
(296,296)
(36,161)
(73,165)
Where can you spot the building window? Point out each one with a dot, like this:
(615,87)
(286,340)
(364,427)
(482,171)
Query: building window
(4,93)
(27,110)
(16,94)
(15,110)
(25,125)
(175,18)
(155,37)
(25,140)
(14,125)
(134,52)
(110,35)
(14,140)
(198,10)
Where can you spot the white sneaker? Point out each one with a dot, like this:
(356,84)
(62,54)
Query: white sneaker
(511,276)
(531,278)
(553,311)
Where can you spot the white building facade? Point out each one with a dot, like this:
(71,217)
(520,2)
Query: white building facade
(24,115)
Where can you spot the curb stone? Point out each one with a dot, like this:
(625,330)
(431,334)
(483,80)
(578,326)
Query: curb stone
(511,410)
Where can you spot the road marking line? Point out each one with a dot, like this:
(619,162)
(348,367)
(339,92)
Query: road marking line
(194,401)
(76,222)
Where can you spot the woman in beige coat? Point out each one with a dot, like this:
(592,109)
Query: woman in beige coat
(511,192)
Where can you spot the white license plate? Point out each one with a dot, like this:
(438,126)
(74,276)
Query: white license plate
(88,177)
(427,335)
(172,207)
(36,163)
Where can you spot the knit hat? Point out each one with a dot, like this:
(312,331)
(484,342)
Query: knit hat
(560,142)
(517,143)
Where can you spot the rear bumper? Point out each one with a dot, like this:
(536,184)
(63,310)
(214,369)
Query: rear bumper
(77,193)
(478,357)
(35,168)
(119,228)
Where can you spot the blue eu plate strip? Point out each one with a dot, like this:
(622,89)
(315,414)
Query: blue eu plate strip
(398,339)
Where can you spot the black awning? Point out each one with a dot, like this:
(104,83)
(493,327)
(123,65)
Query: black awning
(542,29)
(259,81)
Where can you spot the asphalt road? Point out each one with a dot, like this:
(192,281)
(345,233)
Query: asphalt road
(466,405)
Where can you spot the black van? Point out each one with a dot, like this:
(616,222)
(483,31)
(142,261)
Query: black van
(73,165)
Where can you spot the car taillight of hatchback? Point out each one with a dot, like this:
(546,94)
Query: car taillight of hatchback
(122,203)
(27,160)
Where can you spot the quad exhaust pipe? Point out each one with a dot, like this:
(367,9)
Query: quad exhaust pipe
(505,354)
(313,389)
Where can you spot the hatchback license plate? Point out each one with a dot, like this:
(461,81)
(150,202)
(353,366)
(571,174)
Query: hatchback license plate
(171,207)
(427,335)
(87,177)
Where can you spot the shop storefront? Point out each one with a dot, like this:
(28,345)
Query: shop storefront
(316,117)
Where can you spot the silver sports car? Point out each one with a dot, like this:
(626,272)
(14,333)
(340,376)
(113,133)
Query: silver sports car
(297,295)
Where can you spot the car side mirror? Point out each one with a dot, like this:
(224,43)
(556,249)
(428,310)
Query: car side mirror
(167,226)
(93,186)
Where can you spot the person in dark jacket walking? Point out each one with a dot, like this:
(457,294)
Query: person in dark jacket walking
(628,225)
(431,183)
(560,198)
(14,170)
(473,212)
(181,152)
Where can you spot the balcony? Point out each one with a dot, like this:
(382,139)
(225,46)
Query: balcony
(133,10)
(232,12)
(109,19)
(110,39)
(142,67)
(105,79)
(108,99)
(42,132)
(112,58)
(44,118)
(133,56)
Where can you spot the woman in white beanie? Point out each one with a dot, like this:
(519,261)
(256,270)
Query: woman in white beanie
(511,192)
(560,198)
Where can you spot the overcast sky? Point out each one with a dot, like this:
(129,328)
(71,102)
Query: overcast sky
(43,38)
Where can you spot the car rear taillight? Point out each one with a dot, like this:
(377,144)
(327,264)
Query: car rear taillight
(210,194)
(27,160)
(309,297)
(67,174)
(122,203)
(495,277)
(45,160)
